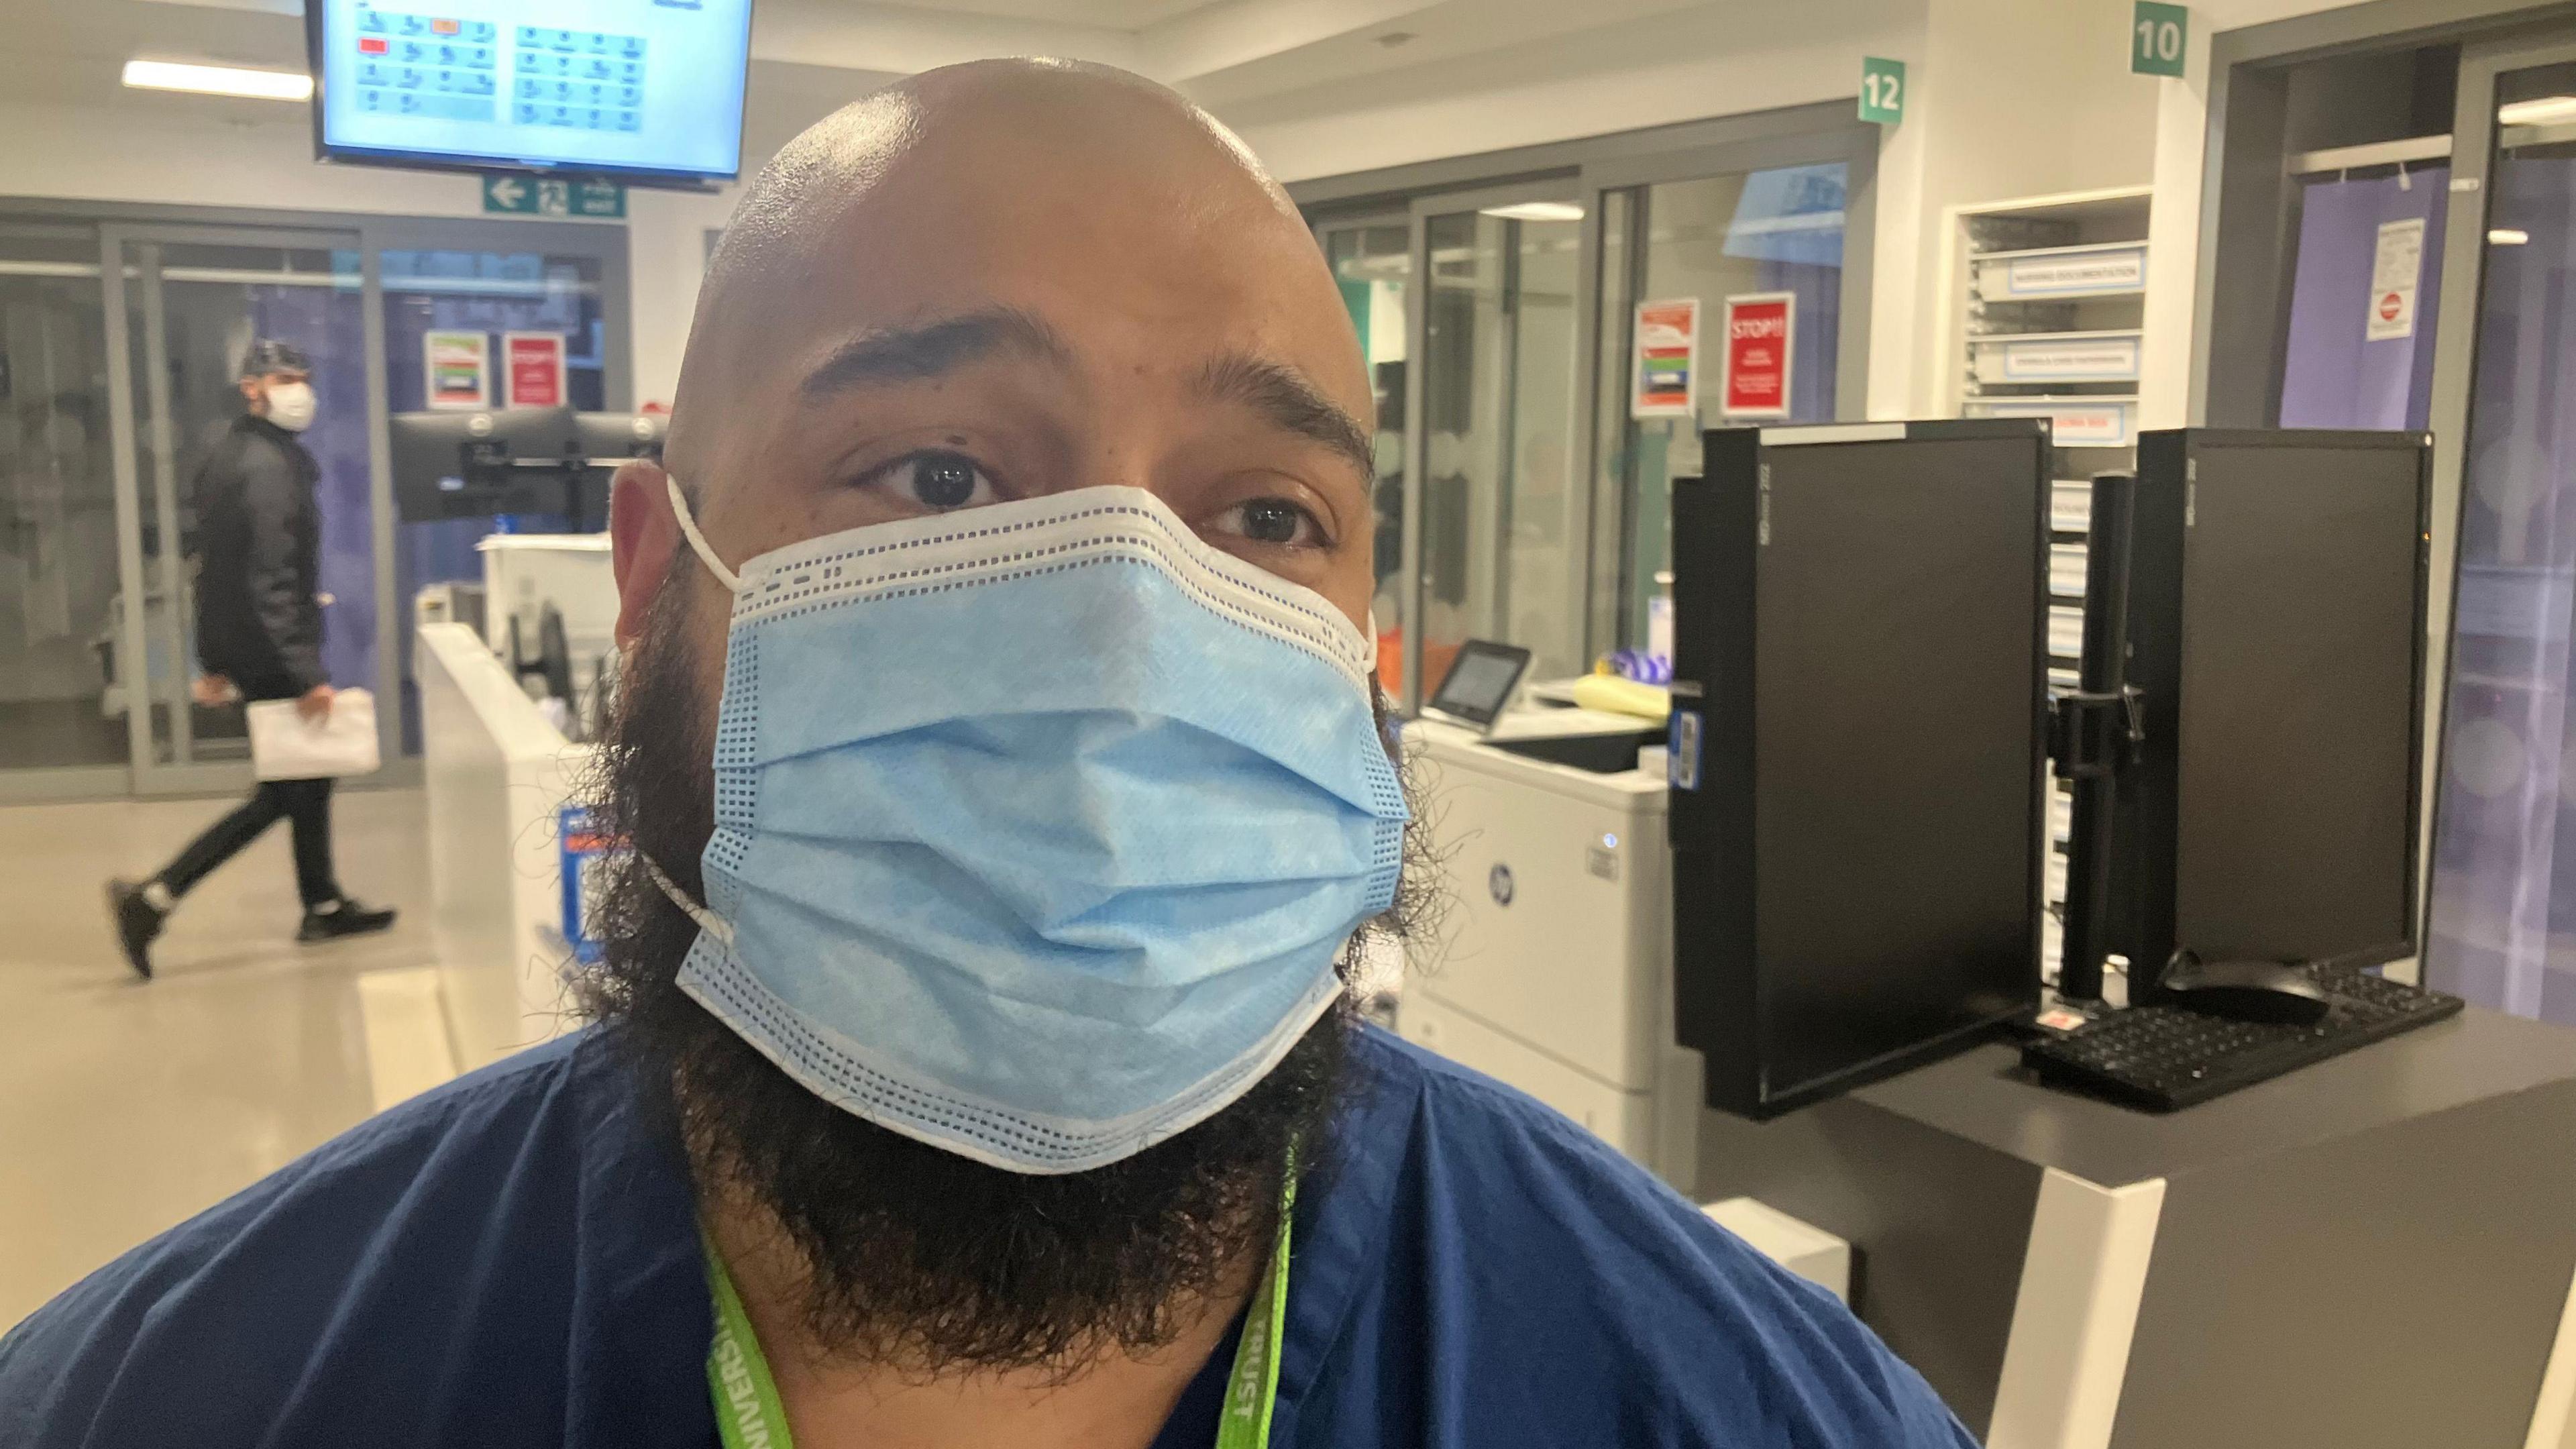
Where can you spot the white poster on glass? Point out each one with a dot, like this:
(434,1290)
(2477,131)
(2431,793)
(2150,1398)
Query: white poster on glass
(2394,270)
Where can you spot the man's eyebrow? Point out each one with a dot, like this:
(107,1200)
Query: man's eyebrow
(1287,401)
(930,349)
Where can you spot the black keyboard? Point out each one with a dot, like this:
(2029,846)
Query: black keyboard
(2165,1057)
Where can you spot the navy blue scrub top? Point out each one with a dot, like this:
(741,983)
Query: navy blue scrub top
(512,1260)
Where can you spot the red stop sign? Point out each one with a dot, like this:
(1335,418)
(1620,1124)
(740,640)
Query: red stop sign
(2388,308)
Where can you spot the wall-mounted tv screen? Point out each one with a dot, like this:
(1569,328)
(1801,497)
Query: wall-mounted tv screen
(644,89)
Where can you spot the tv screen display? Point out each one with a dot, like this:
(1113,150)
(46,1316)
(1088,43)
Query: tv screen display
(644,89)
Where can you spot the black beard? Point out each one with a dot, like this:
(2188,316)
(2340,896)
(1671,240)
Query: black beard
(911,1254)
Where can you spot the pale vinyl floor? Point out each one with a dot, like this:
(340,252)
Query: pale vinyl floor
(127,1106)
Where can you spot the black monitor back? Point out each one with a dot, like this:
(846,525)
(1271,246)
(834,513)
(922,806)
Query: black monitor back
(606,436)
(2277,594)
(1858,806)
(443,463)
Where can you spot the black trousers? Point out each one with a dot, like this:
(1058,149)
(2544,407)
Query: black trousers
(304,803)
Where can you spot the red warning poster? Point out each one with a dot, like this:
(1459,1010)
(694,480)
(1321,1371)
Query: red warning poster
(1759,329)
(534,364)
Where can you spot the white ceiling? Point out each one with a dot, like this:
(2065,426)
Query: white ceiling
(1253,57)
(1103,14)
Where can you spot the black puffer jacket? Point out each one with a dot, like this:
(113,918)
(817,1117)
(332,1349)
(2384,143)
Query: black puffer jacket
(259,533)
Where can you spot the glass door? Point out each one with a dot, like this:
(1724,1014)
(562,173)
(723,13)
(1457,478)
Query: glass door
(1372,262)
(499,293)
(2501,921)
(1521,498)
(191,301)
(1504,535)
(1769,240)
(58,518)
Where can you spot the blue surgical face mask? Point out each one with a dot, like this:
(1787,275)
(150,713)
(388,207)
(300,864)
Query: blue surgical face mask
(1039,826)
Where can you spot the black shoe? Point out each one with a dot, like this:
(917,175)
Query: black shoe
(137,922)
(343,917)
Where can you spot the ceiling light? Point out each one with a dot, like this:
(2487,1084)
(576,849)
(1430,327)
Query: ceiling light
(2546,111)
(218,80)
(1535,211)
(2508,236)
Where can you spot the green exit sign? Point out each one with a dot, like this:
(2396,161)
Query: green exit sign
(1882,90)
(532,196)
(2156,36)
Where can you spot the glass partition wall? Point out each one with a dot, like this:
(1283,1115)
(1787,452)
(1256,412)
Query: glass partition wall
(58,508)
(1521,496)
(1774,232)
(2394,230)
(1372,262)
(121,331)
(193,299)
(1502,532)
(2501,923)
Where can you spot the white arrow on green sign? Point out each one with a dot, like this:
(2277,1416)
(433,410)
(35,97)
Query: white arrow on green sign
(516,194)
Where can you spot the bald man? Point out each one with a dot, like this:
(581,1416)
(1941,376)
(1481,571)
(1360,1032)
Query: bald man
(1007,795)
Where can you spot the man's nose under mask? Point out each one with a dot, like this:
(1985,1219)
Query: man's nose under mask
(1039,826)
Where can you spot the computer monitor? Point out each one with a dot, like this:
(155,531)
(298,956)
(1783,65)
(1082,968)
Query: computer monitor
(1480,682)
(1858,801)
(651,93)
(2276,633)
(483,462)
(609,436)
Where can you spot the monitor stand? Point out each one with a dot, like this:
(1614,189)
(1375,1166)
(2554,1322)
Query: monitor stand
(2094,735)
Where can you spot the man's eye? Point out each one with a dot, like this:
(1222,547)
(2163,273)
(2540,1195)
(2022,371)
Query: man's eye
(935,481)
(1272,521)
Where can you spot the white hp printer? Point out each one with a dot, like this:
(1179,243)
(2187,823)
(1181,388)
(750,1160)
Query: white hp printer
(1551,968)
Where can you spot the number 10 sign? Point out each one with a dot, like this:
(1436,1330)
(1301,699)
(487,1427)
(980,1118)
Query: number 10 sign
(2156,35)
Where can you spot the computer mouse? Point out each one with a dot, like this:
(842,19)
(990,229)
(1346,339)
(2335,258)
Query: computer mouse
(2273,991)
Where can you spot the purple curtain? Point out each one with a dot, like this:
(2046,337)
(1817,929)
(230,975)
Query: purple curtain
(2333,376)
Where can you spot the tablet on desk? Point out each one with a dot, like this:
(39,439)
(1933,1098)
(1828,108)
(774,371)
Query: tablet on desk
(1479,683)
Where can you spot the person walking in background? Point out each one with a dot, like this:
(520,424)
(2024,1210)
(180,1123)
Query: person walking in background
(259,637)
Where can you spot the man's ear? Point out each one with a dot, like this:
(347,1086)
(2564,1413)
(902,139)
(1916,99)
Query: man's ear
(642,535)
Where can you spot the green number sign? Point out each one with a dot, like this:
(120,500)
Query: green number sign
(1882,90)
(2156,35)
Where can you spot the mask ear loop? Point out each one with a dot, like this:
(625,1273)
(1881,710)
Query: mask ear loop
(708,921)
(697,540)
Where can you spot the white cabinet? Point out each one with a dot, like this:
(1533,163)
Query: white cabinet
(2045,317)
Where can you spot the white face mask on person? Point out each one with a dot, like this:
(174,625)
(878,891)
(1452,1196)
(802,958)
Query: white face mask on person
(291,405)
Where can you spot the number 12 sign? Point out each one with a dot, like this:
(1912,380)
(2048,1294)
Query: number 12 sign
(1882,90)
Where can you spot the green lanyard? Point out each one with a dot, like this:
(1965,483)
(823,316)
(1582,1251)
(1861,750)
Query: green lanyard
(746,1398)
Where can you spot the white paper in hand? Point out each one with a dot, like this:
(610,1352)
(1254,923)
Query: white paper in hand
(286,746)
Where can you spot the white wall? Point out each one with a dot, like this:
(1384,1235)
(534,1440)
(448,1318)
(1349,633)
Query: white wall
(1724,59)
(2019,98)
(666,239)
